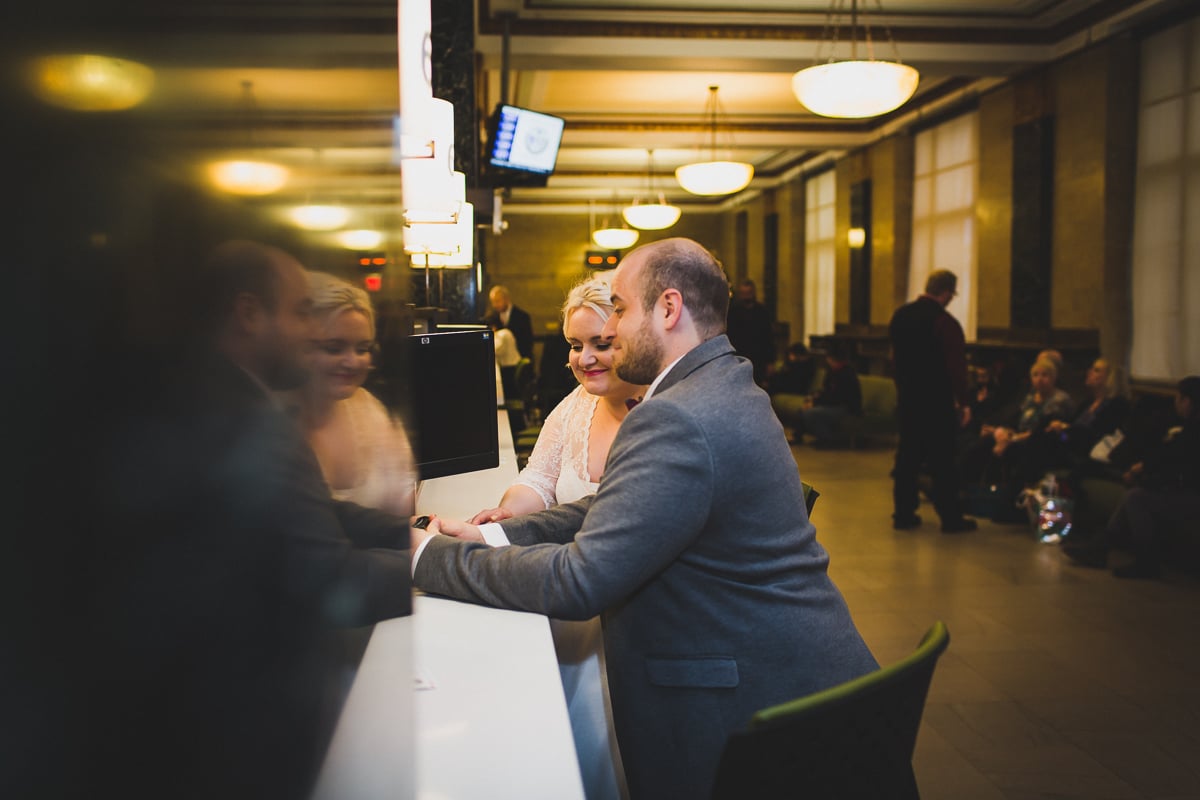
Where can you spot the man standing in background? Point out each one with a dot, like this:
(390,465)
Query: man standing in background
(748,326)
(929,356)
(506,315)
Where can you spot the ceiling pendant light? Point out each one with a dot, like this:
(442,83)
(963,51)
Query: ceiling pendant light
(90,82)
(611,238)
(248,176)
(854,88)
(651,216)
(714,177)
(360,239)
(315,217)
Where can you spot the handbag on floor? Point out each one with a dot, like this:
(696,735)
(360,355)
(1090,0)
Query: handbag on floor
(1049,509)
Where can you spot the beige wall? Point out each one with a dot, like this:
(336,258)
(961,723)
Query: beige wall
(891,164)
(789,204)
(1077,249)
(993,208)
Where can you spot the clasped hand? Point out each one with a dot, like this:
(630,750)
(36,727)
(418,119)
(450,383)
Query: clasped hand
(447,527)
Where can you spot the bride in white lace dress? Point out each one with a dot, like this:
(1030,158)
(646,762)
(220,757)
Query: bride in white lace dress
(566,464)
(364,453)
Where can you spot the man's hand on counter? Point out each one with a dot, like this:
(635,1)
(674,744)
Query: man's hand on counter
(420,529)
(459,530)
(426,526)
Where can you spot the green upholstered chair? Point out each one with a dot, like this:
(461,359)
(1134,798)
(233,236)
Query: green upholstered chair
(810,496)
(854,740)
(879,411)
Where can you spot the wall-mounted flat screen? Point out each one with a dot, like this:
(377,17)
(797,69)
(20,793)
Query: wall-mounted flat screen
(523,140)
(453,395)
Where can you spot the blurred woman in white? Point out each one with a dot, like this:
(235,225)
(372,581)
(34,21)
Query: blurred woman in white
(365,454)
(566,464)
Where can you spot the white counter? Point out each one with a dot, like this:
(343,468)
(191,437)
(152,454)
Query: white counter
(494,724)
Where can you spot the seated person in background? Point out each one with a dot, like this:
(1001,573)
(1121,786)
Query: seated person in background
(840,395)
(984,401)
(1165,496)
(565,465)
(796,374)
(507,358)
(988,459)
(1055,357)
(364,454)
(1101,413)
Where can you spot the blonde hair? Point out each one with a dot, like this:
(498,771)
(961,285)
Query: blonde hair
(594,292)
(1046,365)
(332,296)
(1115,384)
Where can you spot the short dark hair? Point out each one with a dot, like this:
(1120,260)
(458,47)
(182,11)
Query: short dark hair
(236,266)
(686,266)
(940,280)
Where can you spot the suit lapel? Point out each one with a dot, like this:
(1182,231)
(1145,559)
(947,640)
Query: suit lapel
(714,348)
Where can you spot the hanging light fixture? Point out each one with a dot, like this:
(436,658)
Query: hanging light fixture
(611,238)
(651,216)
(248,176)
(90,82)
(714,177)
(854,88)
(314,216)
(360,239)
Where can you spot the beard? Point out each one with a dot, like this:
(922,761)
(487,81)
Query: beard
(641,357)
(285,374)
(284,366)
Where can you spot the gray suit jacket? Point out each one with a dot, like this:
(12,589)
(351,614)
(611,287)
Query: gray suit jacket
(699,555)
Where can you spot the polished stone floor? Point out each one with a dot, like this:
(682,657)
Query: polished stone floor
(1059,682)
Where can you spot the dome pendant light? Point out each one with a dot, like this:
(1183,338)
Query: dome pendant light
(714,177)
(611,238)
(854,88)
(248,176)
(651,216)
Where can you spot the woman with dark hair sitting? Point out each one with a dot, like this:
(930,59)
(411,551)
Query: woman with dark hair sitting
(1164,499)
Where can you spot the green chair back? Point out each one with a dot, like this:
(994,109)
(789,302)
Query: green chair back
(853,740)
(810,496)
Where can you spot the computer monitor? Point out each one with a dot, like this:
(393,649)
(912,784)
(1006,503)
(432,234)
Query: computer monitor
(452,390)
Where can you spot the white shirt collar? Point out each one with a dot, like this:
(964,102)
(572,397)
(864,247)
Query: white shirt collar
(659,379)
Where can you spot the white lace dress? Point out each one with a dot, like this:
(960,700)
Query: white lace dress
(558,471)
(386,477)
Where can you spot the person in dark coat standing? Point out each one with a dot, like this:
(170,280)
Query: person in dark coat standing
(928,353)
(748,326)
(507,315)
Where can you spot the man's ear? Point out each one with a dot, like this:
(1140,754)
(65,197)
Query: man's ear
(670,305)
(248,312)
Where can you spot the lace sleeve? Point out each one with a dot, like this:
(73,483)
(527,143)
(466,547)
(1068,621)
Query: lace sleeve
(546,460)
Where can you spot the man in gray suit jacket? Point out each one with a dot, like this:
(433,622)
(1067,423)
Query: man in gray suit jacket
(696,549)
